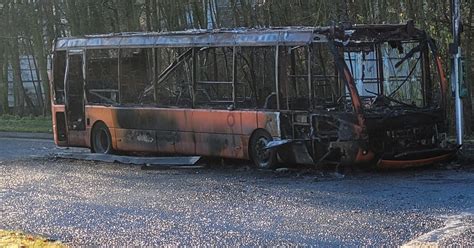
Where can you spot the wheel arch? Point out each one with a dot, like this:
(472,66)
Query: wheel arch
(270,160)
(111,131)
(249,147)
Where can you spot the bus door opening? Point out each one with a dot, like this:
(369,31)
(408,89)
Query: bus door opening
(75,113)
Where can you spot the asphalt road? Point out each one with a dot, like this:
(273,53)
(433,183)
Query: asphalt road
(93,203)
(16,148)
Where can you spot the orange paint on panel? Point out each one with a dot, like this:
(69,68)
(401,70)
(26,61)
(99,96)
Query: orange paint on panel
(211,121)
(364,156)
(270,122)
(219,145)
(57,109)
(219,133)
(78,138)
(401,164)
(443,83)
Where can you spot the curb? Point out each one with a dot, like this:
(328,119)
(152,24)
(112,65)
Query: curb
(19,135)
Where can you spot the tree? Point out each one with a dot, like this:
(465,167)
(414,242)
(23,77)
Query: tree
(40,22)
(3,78)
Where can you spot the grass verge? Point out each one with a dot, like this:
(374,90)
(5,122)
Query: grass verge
(9,123)
(18,239)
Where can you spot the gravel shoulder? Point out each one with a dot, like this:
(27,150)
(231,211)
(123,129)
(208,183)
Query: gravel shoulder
(91,203)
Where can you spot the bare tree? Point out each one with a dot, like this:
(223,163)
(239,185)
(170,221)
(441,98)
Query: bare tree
(40,22)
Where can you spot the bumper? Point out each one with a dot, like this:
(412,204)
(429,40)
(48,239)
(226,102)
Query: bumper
(416,159)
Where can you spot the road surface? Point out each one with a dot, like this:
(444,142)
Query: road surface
(93,203)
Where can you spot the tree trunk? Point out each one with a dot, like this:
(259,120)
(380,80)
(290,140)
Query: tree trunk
(469,67)
(58,27)
(148,21)
(155,16)
(73,17)
(128,9)
(198,15)
(40,63)
(35,24)
(235,13)
(3,80)
(18,92)
(35,74)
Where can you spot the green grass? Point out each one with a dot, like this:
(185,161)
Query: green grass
(9,123)
(19,239)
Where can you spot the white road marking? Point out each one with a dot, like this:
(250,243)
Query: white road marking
(454,226)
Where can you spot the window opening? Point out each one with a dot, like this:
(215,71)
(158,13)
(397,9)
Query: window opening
(102,85)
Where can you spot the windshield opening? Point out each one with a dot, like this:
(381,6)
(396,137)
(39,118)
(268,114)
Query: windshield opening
(391,74)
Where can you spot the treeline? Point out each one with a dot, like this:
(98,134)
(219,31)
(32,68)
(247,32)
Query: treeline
(29,27)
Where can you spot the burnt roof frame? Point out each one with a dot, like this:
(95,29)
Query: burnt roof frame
(239,37)
(273,37)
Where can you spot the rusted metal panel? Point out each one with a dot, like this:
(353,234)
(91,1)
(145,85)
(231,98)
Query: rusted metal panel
(186,143)
(269,121)
(153,162)
(443,83)
(183,131)
(182,120)
(217,121)
(219,145)
(78,138)
(415,162)
(248,121)
(136,140)
(100,113)
(54,110)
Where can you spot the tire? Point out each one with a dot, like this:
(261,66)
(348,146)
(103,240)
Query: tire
(263,159)
(101,140)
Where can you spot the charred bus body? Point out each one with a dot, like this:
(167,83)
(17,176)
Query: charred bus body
(372,95)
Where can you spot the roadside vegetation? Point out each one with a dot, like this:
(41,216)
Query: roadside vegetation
(18,239)
(28,29)
(30,124)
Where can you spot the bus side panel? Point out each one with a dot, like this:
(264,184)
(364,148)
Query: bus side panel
(185,131)
(136,140)
(219,145)
(185,142)
(146,129)
(219,133)
(166,142)
(217,121)
(59,125)
(270,121)
(249,122)
(249,125)
(78,138)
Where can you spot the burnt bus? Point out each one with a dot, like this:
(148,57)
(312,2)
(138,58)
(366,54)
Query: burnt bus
(367,95)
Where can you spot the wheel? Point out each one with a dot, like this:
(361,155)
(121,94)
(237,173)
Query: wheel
(262,158)
(101,139)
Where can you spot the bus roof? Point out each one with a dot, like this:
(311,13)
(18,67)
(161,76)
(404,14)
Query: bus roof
(287,36)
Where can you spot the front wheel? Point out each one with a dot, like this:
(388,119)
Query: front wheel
(262,158)
(101,139)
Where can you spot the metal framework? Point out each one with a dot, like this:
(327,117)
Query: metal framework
(388,133)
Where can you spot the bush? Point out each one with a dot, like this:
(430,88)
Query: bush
(40,124)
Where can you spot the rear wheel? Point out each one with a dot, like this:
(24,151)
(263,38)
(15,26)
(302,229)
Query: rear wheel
(262,158)
(101,139)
